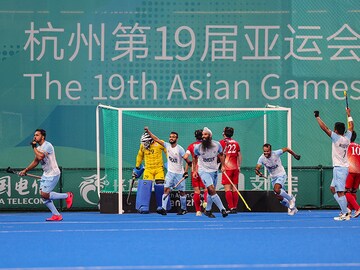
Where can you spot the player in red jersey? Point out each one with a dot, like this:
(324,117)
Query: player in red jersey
(353,178)
(232,165)
(196,181)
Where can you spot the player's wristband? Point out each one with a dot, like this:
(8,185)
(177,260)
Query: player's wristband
(350,119)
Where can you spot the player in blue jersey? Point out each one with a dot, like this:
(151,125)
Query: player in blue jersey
(272,162)
(340,143)
(175,171)
(206,166)
(45,155)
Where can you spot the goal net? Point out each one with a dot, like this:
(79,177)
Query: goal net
(119,130)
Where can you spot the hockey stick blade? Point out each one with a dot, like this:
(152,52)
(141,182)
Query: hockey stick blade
(9,170)
(130,189)
(167,195)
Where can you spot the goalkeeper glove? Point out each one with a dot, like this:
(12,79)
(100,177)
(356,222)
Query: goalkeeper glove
(185,175)
(316,113)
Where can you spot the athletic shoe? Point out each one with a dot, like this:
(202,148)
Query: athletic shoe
(198,213)
(161,211)
(209,214)
(293,211)
(181,212)
(292,203)
(55,218)
(343,217)
(348,210)
(224,213)
(357,213)
(233,211)
(69,200)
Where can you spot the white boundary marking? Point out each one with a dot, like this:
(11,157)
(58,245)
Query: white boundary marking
(202,266)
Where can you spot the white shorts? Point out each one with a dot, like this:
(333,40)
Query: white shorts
(48,183)
(209,178)
(171,179)
(279,180)
(339,178)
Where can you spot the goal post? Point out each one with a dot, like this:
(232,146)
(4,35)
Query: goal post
(118,132)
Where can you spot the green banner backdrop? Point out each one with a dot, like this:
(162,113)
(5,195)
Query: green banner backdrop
(60,59)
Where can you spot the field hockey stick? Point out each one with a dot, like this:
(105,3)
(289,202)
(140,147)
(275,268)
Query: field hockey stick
(238,192)
(167,195)
(9,170)
(347,106)
(130,189)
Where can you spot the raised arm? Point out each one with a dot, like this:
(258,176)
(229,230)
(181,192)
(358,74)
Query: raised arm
(156,139)
(291,152)
(350,120)
(322,124)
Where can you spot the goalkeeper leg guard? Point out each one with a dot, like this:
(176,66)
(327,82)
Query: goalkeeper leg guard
(143,196)
(159,191)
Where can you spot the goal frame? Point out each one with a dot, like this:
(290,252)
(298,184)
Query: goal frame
(268,108)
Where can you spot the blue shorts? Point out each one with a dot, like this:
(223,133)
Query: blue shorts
(48,183)
(209,178)
(279,180)
(171,179)
(339,178)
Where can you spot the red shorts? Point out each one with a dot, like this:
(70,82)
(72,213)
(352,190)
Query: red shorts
(196,181)
(352,181)
(233,175)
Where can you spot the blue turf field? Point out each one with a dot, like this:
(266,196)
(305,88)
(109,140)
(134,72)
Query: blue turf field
(90,240)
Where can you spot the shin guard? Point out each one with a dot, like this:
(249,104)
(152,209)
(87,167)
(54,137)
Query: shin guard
(143,196)
(159,191)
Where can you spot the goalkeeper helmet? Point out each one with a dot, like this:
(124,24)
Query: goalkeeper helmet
(228,132)
(146,140)
(198,134)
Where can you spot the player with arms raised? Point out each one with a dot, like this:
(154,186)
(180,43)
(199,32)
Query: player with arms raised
(340,143)
(272,162)
(175,171)
(151,153)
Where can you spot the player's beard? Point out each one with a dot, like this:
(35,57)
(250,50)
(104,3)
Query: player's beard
(206,143)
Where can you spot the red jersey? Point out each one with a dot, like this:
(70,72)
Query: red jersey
(191,148)
(231,149)
(354,157)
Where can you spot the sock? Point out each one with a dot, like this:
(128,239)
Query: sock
(229,199)
(285,195)
(164,202)
(216,199)
(285,202)
(205,195)
(235,199)
(196,199)
(342,202)
(49,204)
(57,196)
(183,202)
(209,203)
(352,204)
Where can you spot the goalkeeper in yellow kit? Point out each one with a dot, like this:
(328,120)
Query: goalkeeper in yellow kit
(151,153)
